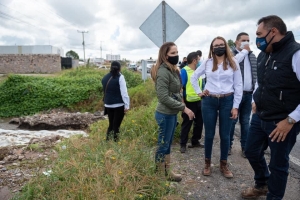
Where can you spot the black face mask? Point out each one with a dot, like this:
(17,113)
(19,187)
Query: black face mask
(173,59)
(220,51)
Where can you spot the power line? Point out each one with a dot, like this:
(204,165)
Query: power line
(10,17)
(61,17)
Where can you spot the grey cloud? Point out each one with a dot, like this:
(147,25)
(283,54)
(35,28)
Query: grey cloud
(80,13)
(210,13)
(13,40)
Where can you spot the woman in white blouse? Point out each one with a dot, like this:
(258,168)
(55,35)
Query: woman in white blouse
(221,96)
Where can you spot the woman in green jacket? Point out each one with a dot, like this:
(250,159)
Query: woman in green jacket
(165,74)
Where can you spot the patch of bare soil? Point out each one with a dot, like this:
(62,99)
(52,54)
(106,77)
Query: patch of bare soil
(19,164)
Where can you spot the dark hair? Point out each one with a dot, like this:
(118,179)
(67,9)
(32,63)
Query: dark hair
(192,56)
(115,68)
(273,21)
(199,53)
(240,35)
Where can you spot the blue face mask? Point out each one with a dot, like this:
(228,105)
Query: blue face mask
(262,43)
(198,64)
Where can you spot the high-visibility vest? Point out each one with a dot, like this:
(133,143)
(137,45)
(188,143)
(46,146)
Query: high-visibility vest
(191,95)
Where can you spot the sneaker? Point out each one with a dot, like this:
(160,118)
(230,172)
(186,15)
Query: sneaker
(182,149)
(243,153)
(229,151)
(196,145)
(255,192)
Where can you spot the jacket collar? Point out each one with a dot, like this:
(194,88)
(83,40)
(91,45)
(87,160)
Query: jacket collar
(289,37)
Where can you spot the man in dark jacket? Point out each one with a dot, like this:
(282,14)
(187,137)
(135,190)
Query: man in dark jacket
(276,108)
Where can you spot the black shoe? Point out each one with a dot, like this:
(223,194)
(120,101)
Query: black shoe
(229,151)
(243,153)
(182,149)
(196,145)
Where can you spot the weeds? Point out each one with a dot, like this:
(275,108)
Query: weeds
(92,168)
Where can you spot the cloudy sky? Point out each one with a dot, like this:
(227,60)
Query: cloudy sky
(115,23)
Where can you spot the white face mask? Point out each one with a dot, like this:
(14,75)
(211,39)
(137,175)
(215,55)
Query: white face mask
(243,44)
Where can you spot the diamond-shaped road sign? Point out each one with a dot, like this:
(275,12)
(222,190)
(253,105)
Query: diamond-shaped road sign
(163,25)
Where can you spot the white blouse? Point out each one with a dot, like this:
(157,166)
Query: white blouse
(220,81)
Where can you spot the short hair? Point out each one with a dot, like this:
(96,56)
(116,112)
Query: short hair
(192,56)
(199,53)
(271,21)
(240,35)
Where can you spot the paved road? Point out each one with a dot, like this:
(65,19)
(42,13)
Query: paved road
(295,157)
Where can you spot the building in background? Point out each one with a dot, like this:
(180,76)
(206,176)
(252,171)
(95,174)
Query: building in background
(31,49)
(113,57)
(32,59)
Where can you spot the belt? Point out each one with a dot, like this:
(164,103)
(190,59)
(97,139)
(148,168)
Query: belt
(247,92)
(220,95)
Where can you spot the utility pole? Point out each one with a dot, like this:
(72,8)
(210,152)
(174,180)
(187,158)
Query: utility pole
(83,44)
(101,48)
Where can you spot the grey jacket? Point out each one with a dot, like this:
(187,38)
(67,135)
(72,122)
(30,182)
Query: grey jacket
(168,86)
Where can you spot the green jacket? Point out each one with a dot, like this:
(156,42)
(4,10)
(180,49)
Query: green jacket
(168,88)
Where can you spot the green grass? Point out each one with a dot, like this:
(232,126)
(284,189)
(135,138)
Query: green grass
(92,168)
(76,89)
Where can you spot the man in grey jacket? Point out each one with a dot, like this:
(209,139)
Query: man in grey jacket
(248,65)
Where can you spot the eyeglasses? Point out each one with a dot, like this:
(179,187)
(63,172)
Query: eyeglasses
(219,45)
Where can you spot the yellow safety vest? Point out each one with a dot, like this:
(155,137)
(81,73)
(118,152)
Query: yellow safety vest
(191,95)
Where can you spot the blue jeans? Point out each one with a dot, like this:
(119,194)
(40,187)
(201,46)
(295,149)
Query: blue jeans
(258,141)
(211,107)
(244,119)
(167,125)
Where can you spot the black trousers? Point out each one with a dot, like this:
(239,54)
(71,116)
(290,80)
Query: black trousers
(187,124)
(115,118)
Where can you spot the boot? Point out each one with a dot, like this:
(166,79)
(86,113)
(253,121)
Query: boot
(171,175)
(207,168)
(116,137)
(161,168)
(109,134)
(224,169)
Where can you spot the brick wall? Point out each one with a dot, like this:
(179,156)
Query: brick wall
(26,64)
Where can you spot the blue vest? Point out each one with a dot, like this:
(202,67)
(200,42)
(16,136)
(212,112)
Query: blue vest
(113,92)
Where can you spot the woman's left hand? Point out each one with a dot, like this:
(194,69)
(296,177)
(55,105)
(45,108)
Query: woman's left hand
(234,113)
(126,110)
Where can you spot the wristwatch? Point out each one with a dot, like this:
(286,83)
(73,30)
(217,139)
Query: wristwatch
(290,120)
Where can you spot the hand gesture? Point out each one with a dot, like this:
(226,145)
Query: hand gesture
(189,113)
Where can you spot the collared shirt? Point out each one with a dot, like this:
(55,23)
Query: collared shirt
(243,55)
(124,95)
(220,81)
(296,68)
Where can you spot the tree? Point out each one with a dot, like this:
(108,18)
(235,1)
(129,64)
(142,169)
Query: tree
(231,43)
(72,54)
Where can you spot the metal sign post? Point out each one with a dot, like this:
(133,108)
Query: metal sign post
(144,70)
(163,25)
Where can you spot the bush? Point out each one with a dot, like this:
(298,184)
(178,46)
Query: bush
(26,95)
